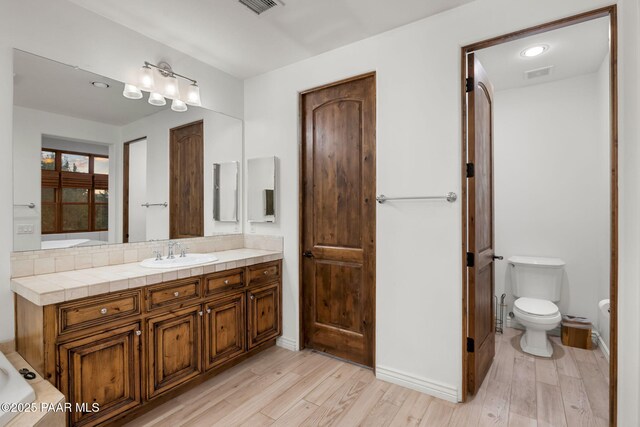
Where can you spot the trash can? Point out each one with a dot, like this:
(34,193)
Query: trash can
(576,332)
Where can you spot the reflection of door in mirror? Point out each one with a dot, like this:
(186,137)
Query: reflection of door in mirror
(135,189)
(186,193)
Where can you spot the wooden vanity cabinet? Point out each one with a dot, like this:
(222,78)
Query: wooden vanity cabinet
(134,349)
(224,329)
(103,368)
(264,313)
(173,348)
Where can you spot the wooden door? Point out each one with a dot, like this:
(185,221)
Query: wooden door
(104,369)
(338,219)
(480,238)
(173,349)
(264,314)
(186,192)
(224,330)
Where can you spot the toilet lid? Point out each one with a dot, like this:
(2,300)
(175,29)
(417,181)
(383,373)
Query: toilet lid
(538,307)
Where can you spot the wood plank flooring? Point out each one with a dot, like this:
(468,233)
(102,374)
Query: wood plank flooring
(283,388)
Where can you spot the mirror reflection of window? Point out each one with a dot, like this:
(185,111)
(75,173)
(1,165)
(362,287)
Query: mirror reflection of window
(74,194)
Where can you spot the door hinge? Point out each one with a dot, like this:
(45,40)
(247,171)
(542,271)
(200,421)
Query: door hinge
(470,84)
(470,345)
(471,170)
(470,259)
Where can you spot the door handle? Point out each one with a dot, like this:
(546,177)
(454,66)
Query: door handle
(495,257)
(307,254)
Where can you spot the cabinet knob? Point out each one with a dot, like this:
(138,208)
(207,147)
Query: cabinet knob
(176,293)
(103,311)
(251,297)
(266,272)
(200,312)
(138,333)
(226,282)
(208,310)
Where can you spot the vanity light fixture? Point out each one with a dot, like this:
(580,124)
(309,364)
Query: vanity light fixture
(162,82)
(536,50)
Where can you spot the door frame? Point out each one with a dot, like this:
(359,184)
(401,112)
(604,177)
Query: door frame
(611,13)
(301,335)
(125,187)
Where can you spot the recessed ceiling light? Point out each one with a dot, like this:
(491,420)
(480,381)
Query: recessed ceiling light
(100,85)
(532,51)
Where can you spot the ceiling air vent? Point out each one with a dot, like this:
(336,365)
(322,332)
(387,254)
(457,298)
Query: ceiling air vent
(538,72)
(259,6)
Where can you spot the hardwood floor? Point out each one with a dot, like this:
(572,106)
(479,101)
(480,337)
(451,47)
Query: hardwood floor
(283,388)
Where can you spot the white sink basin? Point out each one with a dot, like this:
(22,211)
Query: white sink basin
(177,262)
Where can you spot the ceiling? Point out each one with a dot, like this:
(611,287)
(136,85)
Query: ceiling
(230,37)
(574,50)
(47,85)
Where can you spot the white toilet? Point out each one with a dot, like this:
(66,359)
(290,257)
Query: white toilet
(536,283)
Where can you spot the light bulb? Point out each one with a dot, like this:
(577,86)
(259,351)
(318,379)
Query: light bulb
(147,82)
(193,95)
(532,51)
(171,89)
(178,106)
(156,99)
(131,91)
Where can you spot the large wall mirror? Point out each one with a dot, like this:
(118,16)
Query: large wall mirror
(92,167)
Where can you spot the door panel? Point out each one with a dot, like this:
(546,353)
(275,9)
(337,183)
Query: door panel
(264,318)
(174,349)
(187,181)
(103,369)
(338,219)
(480,239)
(224,330)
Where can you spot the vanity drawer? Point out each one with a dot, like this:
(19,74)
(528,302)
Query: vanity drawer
(97,310)
(225,280)
(261,273)
(177,292)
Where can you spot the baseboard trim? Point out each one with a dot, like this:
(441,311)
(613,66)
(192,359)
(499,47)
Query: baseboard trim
(423,385)
(603,346)
(287,343)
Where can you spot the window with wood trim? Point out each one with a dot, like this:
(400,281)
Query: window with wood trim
(75,192)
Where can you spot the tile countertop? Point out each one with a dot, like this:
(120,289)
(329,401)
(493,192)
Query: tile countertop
(53,288)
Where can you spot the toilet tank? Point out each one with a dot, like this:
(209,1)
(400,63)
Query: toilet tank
(536,277)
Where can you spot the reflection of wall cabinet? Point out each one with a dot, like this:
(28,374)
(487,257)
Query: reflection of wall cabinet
(125,349)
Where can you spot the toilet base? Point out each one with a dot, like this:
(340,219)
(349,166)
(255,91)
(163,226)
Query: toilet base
(536,343)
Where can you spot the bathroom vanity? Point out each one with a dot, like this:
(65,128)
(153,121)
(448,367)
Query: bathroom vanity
(138,347)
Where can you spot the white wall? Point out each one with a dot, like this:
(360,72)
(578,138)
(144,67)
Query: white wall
(59,30)
(29,126)
(418,138)
(222,143)
(551,181)
(6,189)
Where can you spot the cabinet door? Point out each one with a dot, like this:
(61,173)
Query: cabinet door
(264,314)
(224,329)
(173,349)
(104,369)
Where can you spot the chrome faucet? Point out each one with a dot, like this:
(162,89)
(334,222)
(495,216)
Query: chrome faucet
(171,245)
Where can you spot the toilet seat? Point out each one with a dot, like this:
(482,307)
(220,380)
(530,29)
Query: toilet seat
(536,307)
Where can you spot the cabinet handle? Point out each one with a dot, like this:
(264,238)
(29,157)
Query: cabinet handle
(103,311)
(251,296)
(200,312)
(226,282)
(176,293)
(138,333)
(208,310)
